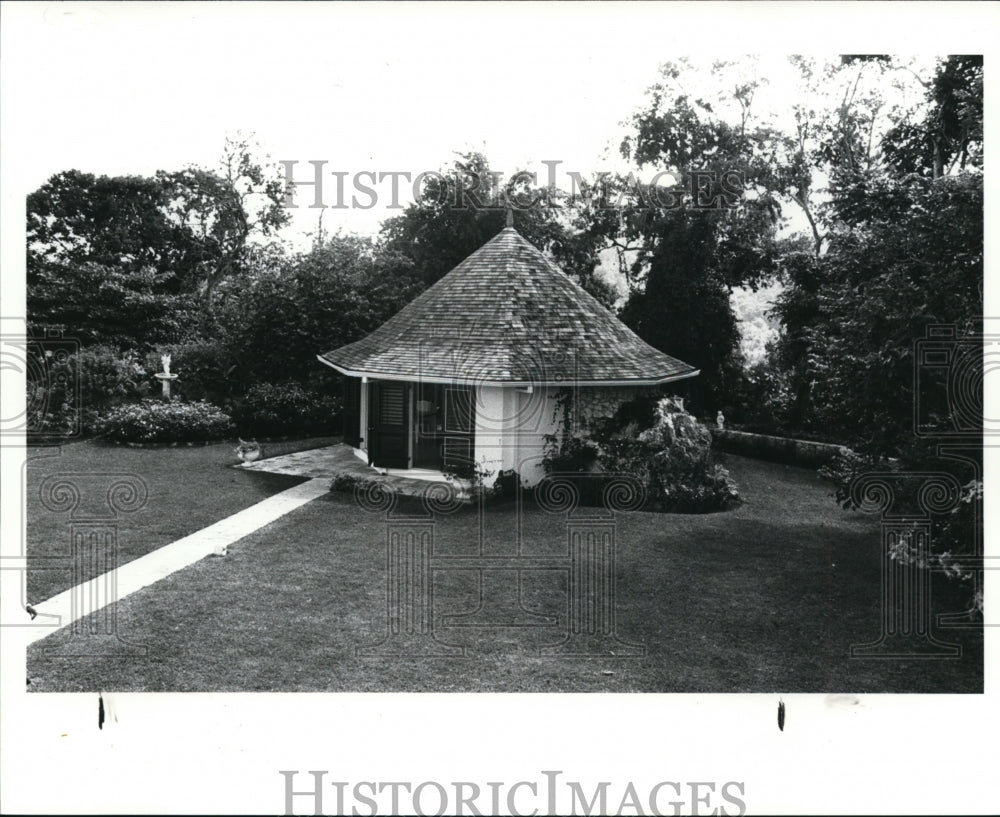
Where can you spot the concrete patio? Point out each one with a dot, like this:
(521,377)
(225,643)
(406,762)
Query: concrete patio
(336,460)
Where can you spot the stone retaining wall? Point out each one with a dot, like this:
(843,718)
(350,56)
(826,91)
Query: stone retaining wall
(803,453)
(595,403)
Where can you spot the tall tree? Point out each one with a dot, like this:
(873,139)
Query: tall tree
(950,136)
(902,249)
(340,290)
(222,210)
(715,232)
(174,234)
(119,222)
(465,205)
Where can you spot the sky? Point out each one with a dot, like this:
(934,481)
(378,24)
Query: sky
(133,88)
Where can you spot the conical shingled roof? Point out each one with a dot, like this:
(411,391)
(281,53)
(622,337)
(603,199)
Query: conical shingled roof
(508,315)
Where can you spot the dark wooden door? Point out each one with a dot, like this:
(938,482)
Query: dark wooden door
(388,424)
(352,411)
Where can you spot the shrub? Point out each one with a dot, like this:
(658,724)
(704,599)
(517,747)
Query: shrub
(574,454)
(953,550)
(672,459)
(205,369)
(682,473)
(507,485)
(79,387)
(286,408)
(157,421)
(348,483)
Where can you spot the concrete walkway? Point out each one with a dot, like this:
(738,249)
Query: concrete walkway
(319,465)
(96,594)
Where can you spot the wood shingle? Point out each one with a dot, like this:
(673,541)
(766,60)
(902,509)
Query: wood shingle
(507,315)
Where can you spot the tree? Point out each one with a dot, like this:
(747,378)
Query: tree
(950,136)
(334,294)
(174,234)
(688,256)
(684,308)
(117,222)
(221,211)
(466,205)
(95,303)
(880,286)
(902,249)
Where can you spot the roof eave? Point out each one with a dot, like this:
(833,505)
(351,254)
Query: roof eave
(479,381)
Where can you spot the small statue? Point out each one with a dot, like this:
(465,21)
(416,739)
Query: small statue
(165,360)
(720,421)
(248,451)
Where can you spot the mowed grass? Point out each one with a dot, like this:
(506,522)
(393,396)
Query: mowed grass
(188,489)
(768,597)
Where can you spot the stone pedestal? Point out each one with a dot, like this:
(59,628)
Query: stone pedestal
(165,379)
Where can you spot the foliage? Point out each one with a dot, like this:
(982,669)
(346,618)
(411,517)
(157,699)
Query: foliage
(684,284)
(158,421)
(682,475)
(508,485)
(853,317)
(204,366)
(719,232)
(285,408)
(99,304)
(135,260)
(334,294)
(77,388)
(951,133)
(119,223)
(222,210)
(953,533)
(569,454)
(103,375)
(671,457)
(465,206)
(349,483)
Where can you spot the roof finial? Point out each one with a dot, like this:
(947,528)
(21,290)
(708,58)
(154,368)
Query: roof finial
(510,215)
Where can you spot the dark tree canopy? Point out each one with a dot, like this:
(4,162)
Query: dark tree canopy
(466,206)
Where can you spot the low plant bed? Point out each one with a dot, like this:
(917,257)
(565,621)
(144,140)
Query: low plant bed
(158,421)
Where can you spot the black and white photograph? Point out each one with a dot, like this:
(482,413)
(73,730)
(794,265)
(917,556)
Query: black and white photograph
(496,408)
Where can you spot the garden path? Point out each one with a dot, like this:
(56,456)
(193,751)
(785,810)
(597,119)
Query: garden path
(89,597)
(318,465)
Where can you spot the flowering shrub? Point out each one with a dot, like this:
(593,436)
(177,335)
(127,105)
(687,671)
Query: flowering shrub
(155,421)
(80,387)
(672,459)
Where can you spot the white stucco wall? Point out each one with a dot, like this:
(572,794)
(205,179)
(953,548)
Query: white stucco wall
(489,436)
(511,425)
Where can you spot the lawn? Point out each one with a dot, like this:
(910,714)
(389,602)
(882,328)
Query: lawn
(767,597)
(189,488)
